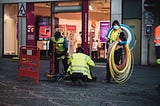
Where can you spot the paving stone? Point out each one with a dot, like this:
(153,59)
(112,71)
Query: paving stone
(140,90)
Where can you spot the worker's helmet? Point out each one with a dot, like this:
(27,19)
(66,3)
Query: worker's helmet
(57,34)
(80,50)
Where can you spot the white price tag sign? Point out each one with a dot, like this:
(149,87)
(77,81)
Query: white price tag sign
(29,52)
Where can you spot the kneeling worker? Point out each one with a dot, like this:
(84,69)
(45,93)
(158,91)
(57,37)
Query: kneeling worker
(79,66)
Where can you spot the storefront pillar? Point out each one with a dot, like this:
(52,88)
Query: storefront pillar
(116,10)
(85,26)
(1,27)
(30,25)
(21,28)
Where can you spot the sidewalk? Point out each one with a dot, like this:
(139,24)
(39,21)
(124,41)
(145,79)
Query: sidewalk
(140,90)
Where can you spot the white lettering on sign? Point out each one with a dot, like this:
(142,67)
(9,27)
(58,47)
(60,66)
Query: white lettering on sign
(85,35)
(105,24)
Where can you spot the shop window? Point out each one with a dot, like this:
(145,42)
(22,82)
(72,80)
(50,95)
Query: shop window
(69,24)
(42,26)
(67,18)
(10,29)
(99,13)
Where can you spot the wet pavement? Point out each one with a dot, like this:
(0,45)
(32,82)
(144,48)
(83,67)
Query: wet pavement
(140,90)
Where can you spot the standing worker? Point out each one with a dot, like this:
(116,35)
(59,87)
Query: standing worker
(61,47)
(115,35)
(94,52)
(79,66)
(71,42)
(157,43)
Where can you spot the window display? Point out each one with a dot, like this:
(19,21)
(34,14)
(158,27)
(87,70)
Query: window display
(46,22)
(44,27)
(44,32)
(10,29)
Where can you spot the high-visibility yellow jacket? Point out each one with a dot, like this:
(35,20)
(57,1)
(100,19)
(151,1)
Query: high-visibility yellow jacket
(114,35)
(157,36)
(80,63)
(59,44)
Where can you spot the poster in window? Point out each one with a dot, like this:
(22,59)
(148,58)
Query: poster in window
(104,27)
(44,32)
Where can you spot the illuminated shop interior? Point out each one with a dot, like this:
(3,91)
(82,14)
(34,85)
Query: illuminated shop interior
(69,23)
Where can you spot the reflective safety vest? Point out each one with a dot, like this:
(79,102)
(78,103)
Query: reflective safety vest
(59,44)
(80,63)
(114,35)
(157,36)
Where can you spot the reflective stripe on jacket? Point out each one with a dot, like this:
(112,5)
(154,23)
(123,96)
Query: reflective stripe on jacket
(59,44)
(157,36)
(80,63)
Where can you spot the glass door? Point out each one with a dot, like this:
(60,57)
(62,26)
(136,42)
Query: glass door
(68,21)
(98,24)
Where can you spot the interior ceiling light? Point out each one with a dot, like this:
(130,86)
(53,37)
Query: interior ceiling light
(48,5)
(69,4)
(90,7)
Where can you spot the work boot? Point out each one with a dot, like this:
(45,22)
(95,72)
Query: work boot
(94,78)
(107,80)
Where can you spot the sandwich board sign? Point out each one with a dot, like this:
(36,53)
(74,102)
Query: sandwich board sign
(22,11)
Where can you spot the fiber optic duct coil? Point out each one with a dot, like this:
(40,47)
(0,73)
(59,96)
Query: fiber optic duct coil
(122,72)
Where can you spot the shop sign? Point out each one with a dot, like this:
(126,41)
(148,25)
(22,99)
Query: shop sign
(30,25)
(71,28)
(85,26)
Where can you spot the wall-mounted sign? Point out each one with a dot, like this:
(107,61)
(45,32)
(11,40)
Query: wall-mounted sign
(71,28)
(22,11)
(44,32)
(104,27)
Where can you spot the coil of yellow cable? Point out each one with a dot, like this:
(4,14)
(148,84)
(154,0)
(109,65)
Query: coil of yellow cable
(120,75)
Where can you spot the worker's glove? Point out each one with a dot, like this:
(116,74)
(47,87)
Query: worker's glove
(122,43)
(62,57)
(107,39)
